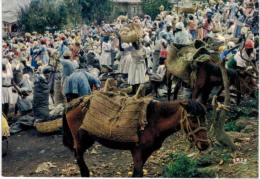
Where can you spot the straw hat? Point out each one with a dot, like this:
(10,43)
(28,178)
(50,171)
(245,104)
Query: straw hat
(67,53)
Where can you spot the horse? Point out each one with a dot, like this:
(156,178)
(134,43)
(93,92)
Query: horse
(209,76)
(164,119)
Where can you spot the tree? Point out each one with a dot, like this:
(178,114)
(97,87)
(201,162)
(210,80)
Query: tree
(97,10)
(43,15)
(74,9)
(220,115)
(151,7)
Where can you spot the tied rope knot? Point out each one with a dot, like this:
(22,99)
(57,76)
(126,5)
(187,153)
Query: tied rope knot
(221,106)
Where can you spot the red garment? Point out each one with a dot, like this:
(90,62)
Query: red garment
(163,53)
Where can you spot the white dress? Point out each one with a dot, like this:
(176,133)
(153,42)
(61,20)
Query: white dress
(7,94)
(105,58)
(137,69)
(125,60)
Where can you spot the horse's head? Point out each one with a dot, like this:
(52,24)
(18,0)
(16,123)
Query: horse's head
(248,82)
(193,123)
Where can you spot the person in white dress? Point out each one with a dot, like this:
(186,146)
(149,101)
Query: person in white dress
(125,59)
(105,58)
(7,94)
(137,68)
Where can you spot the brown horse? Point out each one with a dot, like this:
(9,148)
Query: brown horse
(164,119)
(209,76)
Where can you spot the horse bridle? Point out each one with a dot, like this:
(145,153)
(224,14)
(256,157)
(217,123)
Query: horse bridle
(185,125)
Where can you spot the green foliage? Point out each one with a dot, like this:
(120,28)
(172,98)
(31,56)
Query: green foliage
(73,8)
(181,166)
(151,7)
(97,10)
(53,15)
(43,15)
(231,126)
(226,157)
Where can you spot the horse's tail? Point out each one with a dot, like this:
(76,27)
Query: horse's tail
(67,136)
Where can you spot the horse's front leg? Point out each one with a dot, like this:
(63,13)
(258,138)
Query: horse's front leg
(85,141)
(84,171)
(138,162)
(176,89)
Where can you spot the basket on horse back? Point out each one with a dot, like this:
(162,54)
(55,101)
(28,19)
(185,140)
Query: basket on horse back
(180,60)
(115,117)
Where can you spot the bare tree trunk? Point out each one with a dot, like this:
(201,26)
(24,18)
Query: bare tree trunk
(220,115)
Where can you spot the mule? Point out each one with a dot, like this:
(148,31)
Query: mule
(164,119)
(209,76)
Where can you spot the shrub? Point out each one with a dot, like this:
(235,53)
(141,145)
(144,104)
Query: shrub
(181,166)
(231,126)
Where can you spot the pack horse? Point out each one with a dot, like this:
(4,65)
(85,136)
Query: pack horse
(163,119)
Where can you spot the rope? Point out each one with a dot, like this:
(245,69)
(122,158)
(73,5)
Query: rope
(221,106)
(185,124)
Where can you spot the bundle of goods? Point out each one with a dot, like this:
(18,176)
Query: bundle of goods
(131,33)
(180,61)
(5,126)
(186,10)
(122,18)
(115,116)
(107,29)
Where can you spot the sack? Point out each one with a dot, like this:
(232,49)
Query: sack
(122,18)
(5,127)
(115,117)
(216,28)
(132,33)
(178,61)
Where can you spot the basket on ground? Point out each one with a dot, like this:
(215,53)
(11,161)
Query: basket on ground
(49,126)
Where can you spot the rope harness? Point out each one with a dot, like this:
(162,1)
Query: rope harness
(191,134)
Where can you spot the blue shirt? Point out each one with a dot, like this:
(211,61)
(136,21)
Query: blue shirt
(225,53)
(68,67)
(80,82)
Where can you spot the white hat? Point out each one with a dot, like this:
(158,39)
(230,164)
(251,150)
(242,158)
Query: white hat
(179,25)
(231,44)
(125,45)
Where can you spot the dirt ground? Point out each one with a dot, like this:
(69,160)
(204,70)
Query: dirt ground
(29,149)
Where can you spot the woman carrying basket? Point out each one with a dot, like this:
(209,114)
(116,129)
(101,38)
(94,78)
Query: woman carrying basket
(137,67)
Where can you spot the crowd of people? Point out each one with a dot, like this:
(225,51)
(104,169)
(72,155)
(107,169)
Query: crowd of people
(36,68)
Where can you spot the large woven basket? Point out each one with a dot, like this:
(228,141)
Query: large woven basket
(132,33)
(49,126)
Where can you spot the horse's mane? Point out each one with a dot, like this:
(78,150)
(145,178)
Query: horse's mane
(166,109)
(74,103)
(162,109)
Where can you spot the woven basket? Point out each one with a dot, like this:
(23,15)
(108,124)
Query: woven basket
(131,33)
(186,10)
(49,126)
(115,117)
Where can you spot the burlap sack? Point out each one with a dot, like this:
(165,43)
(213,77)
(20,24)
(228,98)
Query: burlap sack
(115,117)
(132,33)
(122,18)
(216,27)
(186,10)
(178,61)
